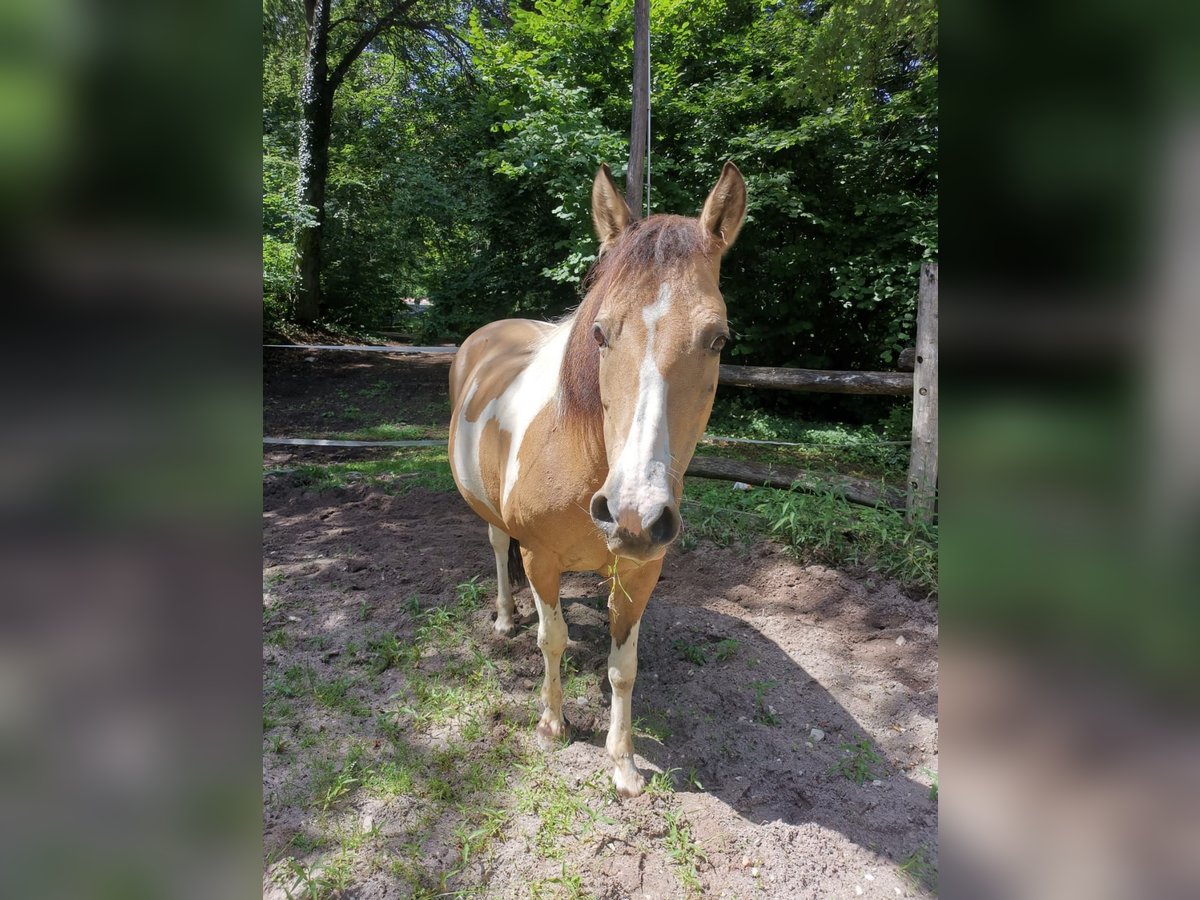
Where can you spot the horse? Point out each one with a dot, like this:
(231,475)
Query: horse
(570,439)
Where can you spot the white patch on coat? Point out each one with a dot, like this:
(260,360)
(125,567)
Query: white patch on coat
(514,409)
(466,452)
(641,475)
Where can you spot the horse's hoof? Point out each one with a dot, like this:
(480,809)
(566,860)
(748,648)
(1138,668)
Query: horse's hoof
(628,781)
(505,628)
(552,734)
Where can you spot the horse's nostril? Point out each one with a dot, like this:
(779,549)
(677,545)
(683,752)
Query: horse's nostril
(666,527)
(600,510)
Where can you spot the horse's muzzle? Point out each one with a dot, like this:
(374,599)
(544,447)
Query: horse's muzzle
(626,534)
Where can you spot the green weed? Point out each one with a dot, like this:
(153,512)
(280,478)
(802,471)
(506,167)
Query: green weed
(561,810)
(683,851)
(933,788)
(317,881)
(662,783)
(692,653)
(653,726)
(385,651)
(725,649)
(858,762)
(566,886)
(331,782)
(471,592)
(920,869)
(764,712)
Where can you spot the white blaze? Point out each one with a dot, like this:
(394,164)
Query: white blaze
(641,476)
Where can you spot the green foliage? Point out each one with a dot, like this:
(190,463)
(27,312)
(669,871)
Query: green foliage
(825,526)
(469,184)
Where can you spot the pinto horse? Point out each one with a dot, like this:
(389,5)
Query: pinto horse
(571,439)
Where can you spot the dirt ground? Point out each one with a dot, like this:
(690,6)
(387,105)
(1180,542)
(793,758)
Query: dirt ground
(743,653)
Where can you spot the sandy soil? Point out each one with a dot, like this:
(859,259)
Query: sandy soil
(772,819)
(769,816)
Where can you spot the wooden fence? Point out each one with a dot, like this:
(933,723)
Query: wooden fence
(919,499)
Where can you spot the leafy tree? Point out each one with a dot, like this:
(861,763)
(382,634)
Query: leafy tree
(462,177)
(337,34)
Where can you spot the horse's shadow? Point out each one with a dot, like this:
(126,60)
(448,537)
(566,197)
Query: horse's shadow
(739,726)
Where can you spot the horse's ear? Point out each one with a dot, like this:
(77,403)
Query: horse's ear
(725,208)
(610,212)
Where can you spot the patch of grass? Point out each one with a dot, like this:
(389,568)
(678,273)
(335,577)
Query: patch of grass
(725,649)
(763,711)
(299,681)
(858,762)
(476,833)
(685,854)
(426,467)
(692,653)
(919,869)
(653,725)
(376,390)
(317,881)
(566,886)
(471,593)
(714,511)
(854,449)
(574,684)
(385,651)
(330,781)
(662,783)
(334,693)
(277,638)
(561,810)
(388,432)
(390,780)
(828,527)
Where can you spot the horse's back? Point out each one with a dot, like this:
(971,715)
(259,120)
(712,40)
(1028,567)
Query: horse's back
(500,349)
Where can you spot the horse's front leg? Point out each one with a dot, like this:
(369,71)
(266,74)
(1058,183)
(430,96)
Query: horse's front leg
(544,580)
(627,600)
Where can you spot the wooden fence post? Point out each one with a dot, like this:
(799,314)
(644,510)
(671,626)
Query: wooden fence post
(923,465)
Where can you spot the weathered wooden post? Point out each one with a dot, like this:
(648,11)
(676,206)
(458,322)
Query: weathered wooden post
(923,465)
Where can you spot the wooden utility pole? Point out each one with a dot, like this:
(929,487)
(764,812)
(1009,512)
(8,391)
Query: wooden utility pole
(639,126)
(923,465)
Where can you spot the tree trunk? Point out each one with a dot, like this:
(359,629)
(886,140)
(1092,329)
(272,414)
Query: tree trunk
(638,126)
(316,97)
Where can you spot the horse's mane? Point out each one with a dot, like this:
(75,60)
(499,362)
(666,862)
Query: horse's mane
(646,248)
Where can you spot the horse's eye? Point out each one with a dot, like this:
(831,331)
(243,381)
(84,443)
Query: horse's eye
(598,335)
(719,342)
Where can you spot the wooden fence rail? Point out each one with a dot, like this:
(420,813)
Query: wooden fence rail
(856,490)
(921,383)
(920,498)
(825,381)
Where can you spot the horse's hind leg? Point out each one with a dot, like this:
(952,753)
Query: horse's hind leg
(552,639)
(505,607)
